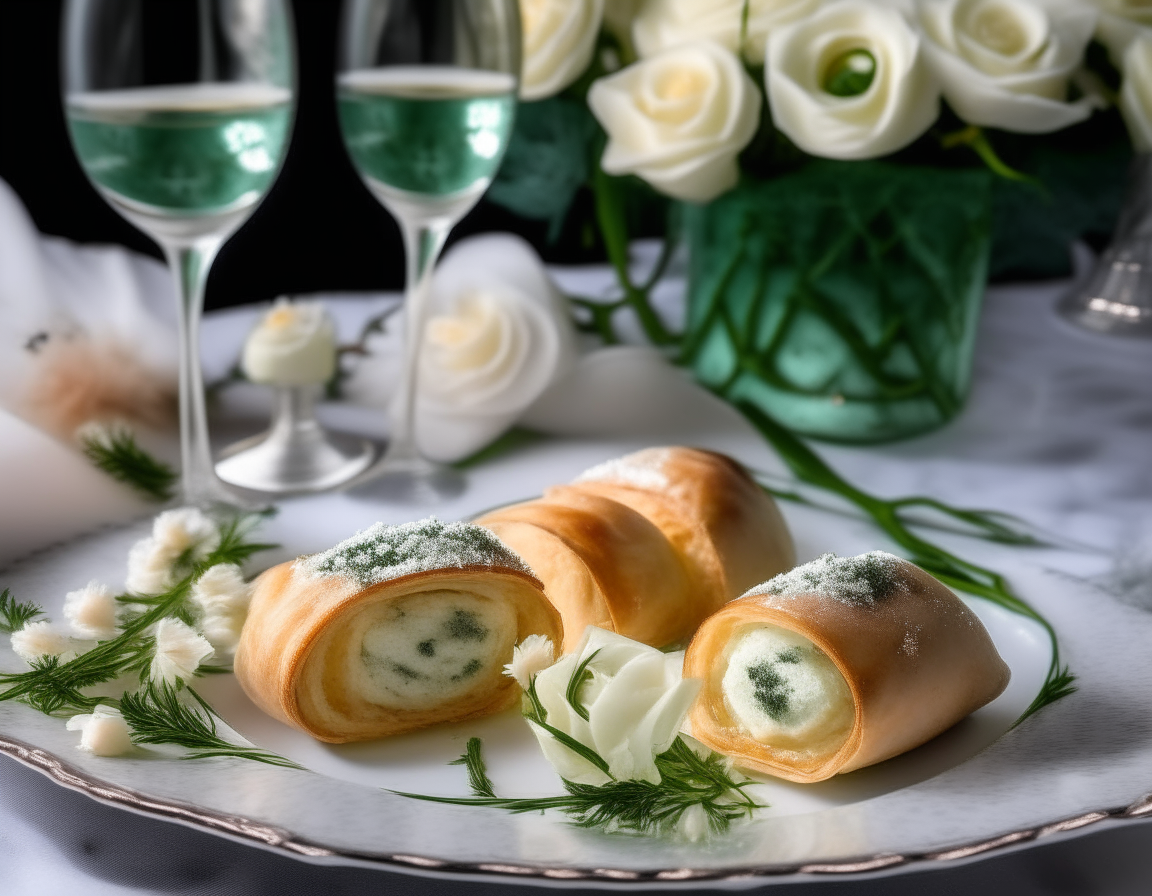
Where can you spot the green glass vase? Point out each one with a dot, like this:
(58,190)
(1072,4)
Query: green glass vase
(841,298)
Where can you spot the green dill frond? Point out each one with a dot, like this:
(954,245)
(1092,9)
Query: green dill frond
(478,778)
(1057,686)
(117,454)
(14,615)
(234,546)
(157,715)
(686,781)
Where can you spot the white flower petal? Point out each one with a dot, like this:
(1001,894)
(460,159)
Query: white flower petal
(91,611)
(559,38)
(150,568)
(185,529)
(294,344)
(529,658)
(179,651)
(103,732)
(663,24)
(37,639)
(1136,92)
(568,764)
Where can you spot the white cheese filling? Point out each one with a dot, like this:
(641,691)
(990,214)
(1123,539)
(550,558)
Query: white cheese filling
(785,692)
(432,648)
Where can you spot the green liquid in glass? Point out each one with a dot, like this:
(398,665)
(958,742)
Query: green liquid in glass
(434,133)
(185,149)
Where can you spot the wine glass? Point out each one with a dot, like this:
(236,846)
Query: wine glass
(180,114)
(426,95)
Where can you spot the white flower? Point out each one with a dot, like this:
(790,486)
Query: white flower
(1120,23)
(1007,63)
(678,119)
(103,732)
(531,656)
(37,639)
(559,39)
(221,598)
(850,81)
(636,701)
(176,534)
(294,344)
(499,334)
(663,24)
(1136,92)
(91,611)
(179,651)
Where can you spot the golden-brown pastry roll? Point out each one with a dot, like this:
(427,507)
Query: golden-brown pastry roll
(650,544)
(839,664)
(397,628)
(727,528)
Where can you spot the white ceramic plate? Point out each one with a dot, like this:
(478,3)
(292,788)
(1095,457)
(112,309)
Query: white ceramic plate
(975,788)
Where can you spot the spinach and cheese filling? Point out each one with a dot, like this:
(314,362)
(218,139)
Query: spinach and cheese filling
(432,648)
(783,691)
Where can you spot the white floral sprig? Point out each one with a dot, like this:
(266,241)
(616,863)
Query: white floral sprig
(608,720)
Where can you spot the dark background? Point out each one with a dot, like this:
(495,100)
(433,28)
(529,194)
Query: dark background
(318,228)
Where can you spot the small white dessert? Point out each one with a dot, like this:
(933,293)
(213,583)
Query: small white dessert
(103,732)
(432,648)
(293,345)
(785,692)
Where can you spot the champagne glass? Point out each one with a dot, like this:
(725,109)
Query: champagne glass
(180,114)
(426,95)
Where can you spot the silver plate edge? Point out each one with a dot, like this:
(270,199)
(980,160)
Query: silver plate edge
(286,843)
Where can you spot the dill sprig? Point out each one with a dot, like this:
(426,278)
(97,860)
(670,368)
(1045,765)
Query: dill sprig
(157,715)
(687,780)
(116,452)
(952,570)
(14,615)
(52,686)
(641,807)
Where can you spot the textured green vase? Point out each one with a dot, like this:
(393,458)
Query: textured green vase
(842,298)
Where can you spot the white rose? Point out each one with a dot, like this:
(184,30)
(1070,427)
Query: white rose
(559,39)
(1120,23)
(635,700)
(663,24)
(679,119)
(294,344)
(1006,63)
(499,333)
(1136,92)
(850,81)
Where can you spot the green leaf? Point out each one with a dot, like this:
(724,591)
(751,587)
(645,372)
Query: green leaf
(117,454)
(580,675)
(13,615)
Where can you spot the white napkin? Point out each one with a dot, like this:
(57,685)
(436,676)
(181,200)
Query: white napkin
(53,290)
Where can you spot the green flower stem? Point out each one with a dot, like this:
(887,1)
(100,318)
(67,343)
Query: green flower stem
(614,229)
(975,139)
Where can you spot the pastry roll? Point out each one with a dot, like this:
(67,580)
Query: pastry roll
(650,544)
(397,628)
(839,664)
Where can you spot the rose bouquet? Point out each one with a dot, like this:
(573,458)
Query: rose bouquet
(847,174)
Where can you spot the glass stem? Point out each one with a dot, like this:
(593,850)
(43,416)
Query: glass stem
(189,264)
(422,244)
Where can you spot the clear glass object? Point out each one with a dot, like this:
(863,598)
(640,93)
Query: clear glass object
(180,114)
(1117,297)
(296,454)
(426,94)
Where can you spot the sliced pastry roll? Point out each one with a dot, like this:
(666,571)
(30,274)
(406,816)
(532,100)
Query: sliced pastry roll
(397,628)
(650,544)
(839,664)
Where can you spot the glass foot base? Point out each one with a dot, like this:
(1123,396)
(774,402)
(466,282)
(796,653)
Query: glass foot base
(305,459)
(408,481)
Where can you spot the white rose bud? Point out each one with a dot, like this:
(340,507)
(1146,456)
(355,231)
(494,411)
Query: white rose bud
(636,701)
(663,24)
(679,119)
(850,81)
(1136,92)
(559,39)
(294,344)
(1120,23)
(1007,63)
(103,732)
